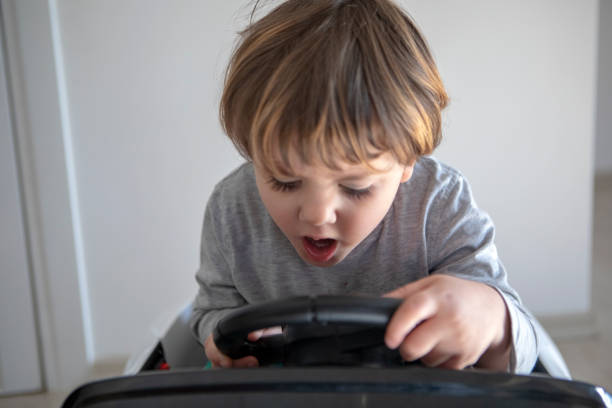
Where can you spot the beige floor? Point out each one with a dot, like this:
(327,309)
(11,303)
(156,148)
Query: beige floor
(54,400)
(588,357)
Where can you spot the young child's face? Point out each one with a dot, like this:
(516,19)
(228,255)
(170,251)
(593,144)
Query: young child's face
(325,213)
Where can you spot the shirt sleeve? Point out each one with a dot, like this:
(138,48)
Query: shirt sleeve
(217,294)
(461,243)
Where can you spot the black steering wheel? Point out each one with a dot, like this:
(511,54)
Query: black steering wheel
(318,330)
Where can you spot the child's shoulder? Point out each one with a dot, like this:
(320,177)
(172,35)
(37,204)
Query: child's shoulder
(435,190)
(436,175)
(238,185)
(436,184)
(244,173)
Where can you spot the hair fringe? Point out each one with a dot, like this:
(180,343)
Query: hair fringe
(334,80)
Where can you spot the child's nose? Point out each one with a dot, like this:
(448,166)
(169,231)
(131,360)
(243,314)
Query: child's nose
(318,211)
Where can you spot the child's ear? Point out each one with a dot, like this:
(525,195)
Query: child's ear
(408,171)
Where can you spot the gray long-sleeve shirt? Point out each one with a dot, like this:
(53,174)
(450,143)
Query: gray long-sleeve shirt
(433,226)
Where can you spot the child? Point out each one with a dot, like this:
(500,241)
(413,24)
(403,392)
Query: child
(335,105)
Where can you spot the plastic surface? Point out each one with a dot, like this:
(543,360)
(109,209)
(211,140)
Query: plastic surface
(335,387)
(549,356)
(343,330)
(333,330)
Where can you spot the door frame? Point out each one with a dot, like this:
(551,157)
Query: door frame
(43,142)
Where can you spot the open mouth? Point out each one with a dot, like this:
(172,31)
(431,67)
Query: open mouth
(320,250)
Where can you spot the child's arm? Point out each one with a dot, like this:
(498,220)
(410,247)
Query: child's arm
(217,294)
(452,323)
(479,304)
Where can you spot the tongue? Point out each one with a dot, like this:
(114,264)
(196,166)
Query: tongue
(322,243)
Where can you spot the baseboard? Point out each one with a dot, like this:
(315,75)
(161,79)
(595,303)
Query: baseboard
(603,181)
(108,367)
(571,326)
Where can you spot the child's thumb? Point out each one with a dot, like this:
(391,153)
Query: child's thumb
(407,290)
(255,335)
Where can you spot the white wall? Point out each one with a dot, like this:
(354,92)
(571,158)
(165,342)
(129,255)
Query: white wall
(603,144)
(521,77)
(143,81)
(40,137)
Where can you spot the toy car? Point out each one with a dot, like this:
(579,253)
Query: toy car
(330,353)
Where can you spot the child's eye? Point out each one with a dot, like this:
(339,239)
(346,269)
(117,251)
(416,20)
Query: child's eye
(357,193)
(283,186)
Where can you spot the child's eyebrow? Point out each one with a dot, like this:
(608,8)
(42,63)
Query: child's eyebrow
(280,170)
(356,176)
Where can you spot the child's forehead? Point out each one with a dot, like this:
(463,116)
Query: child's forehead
(293,165)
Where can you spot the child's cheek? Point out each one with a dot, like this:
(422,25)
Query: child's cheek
(362,219)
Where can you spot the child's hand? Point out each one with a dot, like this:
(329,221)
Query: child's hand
(219,359)
(450,322)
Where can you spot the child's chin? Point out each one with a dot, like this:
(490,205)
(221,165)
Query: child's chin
(334,260)
(331,262)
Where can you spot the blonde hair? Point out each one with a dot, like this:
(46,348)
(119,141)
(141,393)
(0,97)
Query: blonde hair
(336,81)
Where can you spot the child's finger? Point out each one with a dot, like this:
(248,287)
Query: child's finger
(455,363)
(217,359)
(220,360)
(270,331)
(245,362)
(413,310)
(437,345)
(423,340)
(255,335)
(436,358)
(409,289)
